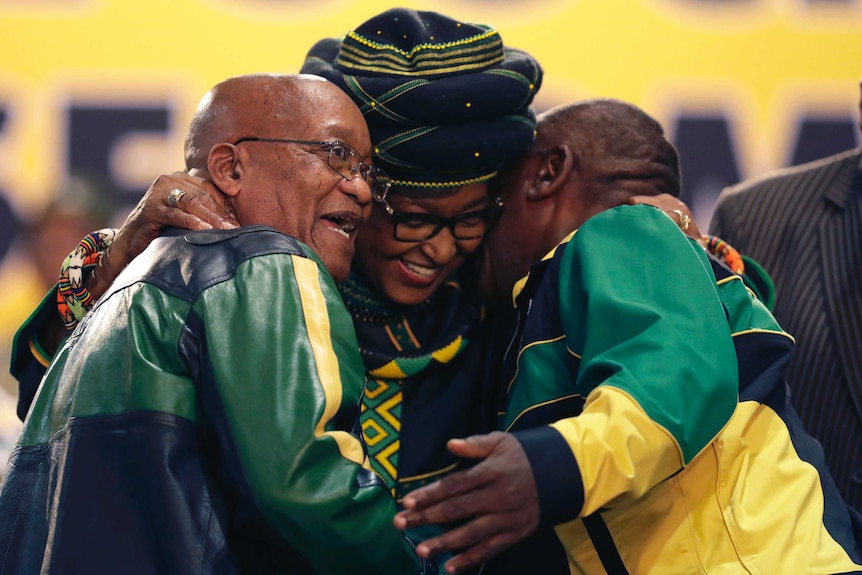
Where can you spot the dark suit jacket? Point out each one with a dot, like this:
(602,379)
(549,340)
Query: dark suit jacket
(804,225)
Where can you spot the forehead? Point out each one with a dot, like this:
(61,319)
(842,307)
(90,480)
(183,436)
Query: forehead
(461,199)
(343,127)
(434,194)
(329,114)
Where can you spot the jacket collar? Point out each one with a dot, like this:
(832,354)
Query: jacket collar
(846,186)
(529,283)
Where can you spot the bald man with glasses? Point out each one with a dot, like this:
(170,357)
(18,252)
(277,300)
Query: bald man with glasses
(203,417)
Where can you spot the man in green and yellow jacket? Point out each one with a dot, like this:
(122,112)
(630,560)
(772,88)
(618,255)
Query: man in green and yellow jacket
(648,428)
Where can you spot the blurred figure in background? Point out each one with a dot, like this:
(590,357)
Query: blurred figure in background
(804,225)
(81,203)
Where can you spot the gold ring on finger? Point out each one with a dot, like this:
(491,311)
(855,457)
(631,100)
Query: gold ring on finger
(684,220)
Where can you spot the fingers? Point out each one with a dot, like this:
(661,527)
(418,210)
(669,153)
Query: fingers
(210,205)
(476,446)
(187,220)
(199,211)
(675,208)
(451,509)
(477,541)
(187,201)
(497,500)
(197,205)
(478,554)
(450,488)
(461,538)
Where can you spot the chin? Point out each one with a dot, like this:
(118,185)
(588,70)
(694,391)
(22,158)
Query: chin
(411,300)
(341,275)
(408,296)
(339,267)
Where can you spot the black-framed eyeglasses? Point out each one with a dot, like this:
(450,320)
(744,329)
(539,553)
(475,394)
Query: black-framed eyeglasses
(342,159)
(421,227)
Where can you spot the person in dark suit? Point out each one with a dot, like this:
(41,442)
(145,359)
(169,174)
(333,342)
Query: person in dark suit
(804,225)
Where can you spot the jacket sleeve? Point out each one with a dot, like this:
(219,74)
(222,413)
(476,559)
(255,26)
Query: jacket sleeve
(29,360)
(286,377)
(653,358)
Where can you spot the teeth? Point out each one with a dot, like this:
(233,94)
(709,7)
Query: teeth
(420,270)
(343,227)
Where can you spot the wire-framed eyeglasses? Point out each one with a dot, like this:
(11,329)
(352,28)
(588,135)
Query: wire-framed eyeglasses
(421,227)
(342,159)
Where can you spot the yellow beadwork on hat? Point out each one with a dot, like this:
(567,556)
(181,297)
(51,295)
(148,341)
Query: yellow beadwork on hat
(451,184)
(473,53)
(446,103)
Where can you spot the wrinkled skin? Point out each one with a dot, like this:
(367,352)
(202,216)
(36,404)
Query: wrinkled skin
(202,207)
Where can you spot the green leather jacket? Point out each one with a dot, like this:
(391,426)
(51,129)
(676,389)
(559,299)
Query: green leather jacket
(203,419)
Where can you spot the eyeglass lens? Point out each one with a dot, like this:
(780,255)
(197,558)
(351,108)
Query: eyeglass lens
(345,160)
(421,227)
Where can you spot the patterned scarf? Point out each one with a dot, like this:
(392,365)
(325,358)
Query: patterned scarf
(404,343)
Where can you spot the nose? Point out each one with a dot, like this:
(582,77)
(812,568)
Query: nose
(441,248)
(358,189)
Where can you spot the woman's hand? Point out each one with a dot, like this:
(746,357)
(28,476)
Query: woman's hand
(677,210)
(200,206)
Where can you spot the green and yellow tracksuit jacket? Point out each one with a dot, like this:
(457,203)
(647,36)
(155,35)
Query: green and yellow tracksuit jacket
(203,419)
(661,441)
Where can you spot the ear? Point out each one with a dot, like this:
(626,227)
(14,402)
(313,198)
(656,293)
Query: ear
(552,173)
(225,165)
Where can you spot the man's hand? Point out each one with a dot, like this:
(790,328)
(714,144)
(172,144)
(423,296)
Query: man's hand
(201,207)
(676,209)
(497,498)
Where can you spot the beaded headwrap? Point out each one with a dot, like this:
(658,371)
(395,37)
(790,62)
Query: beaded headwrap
(446,103)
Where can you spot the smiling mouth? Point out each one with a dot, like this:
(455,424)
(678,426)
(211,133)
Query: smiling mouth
(344,224)
(421,271)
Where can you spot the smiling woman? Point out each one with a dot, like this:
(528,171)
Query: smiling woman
(447,105)
(414,242)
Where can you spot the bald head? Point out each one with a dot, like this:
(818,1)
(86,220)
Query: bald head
(249,105)
(266,140)
(619,149)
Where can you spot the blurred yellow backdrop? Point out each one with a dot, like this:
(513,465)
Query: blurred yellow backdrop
(759,61)
(756,69)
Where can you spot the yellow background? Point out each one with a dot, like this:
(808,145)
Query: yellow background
(759,63)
